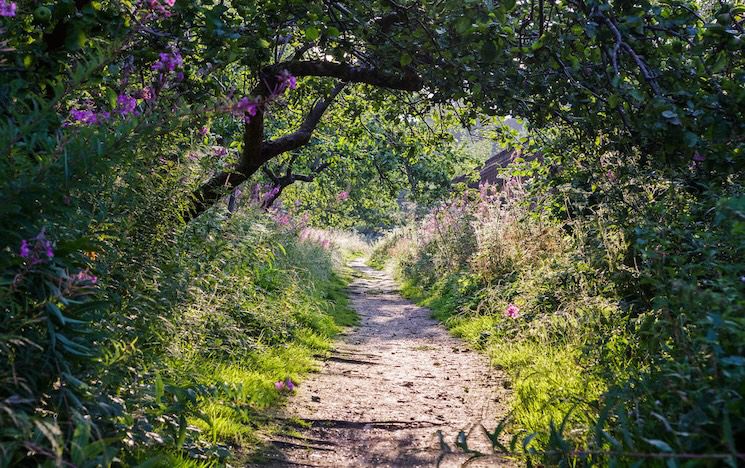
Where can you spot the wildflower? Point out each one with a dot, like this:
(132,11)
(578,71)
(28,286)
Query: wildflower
(282,219)
(271,193)
(33,250)
(246,107)
(168,62)
(289,384)
(159,8)
(286,80)
(25,250)
(7,8)
(83,116)
(146,94)
(203,131)
(125,104)
(220,151)
(698,157)
(84,276)
(512,311)
(343,195)
(279,385)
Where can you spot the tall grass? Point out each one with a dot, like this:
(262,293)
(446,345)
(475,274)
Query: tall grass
(183,352)
(551,301)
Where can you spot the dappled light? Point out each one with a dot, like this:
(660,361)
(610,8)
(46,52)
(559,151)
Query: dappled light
(372,233)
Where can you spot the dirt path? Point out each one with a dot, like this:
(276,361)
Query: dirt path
(393,386)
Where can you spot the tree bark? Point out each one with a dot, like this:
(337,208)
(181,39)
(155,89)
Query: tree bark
(257,151)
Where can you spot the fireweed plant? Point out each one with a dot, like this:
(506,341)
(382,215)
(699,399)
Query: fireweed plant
(127,336)
(147,313)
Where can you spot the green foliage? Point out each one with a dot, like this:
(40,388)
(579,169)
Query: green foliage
(179,358)
(629,335)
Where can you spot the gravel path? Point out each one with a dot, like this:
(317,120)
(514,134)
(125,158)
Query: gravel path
(395,388)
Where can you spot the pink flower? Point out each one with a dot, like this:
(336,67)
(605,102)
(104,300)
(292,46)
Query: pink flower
(7,8)
(286,385)
(146,93)
(84,276)
(159,8)
(342,195)
(512,311)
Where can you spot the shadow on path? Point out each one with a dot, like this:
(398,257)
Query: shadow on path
(395,388)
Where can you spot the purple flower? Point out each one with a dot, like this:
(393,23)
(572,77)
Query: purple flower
(289,384)
(286,80)
(246,106)
(38,245)
(204,131)
(168,62)
(7,8)
(125,104)
(698,157)
(25,250)
(279,385)
(159,8)
(342,195)
(220,151)
(512,311)
(84,116)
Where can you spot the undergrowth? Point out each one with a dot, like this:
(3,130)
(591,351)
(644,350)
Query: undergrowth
(621,345)
(177,362)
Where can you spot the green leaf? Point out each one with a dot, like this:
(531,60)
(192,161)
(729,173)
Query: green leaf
(489,51)
(660,444)
(405,59)
(312,33)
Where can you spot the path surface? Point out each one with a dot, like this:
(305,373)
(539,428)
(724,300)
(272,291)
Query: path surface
(393,385)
